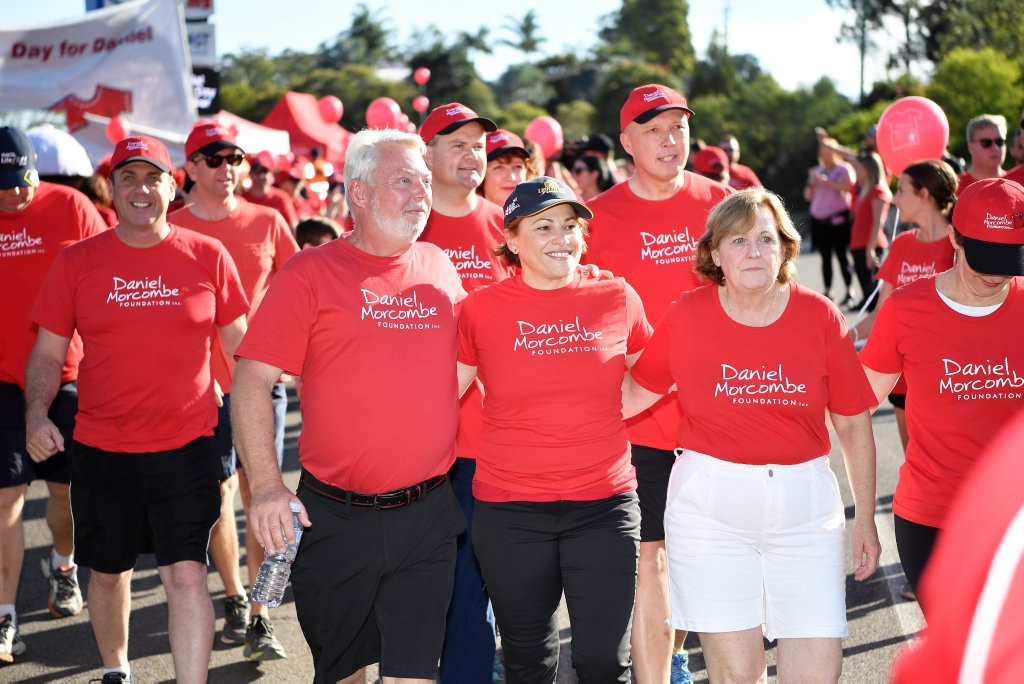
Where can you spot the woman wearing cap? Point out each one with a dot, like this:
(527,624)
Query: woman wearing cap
(754,519)
(507,166)
(555,501)
(955,338)
(591,175)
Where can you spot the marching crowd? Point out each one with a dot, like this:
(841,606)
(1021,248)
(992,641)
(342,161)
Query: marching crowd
(520,378)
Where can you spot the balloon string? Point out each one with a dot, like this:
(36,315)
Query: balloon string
(878,283)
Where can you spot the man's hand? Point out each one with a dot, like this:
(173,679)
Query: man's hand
(594,272)
(270,517)
(43,439)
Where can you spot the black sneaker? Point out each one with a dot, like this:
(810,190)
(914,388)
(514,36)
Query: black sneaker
(260,642)
(113,678)
(11,644)
(65,595)
(236,617)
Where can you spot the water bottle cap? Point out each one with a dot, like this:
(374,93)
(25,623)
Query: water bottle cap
(295,506)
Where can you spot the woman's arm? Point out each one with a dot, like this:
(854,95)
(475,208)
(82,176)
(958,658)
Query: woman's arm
(858,445)
(881,383)
(634,397)
(466,376)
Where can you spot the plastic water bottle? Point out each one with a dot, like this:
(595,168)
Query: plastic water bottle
(276,568)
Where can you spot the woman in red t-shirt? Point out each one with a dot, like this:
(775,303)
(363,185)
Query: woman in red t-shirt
(870,210)
(754,525)
(955,339)
(555,505)
(925,196)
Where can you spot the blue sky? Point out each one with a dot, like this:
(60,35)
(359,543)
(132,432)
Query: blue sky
(794,41)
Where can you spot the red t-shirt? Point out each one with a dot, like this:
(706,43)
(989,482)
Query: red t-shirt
(756,395)
(973,586)
(467,240)
(742,176)
(551,363)
(864,218)
(966,378)
(146,317)
(1016,174)
(652,244)
(909,259)
(276,198)
(30,240)
(259,241)
(374,340)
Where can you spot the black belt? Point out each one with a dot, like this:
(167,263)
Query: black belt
(395,499)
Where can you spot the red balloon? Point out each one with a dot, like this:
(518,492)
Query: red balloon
(383,113)
(420,103)
(911,129)
(118,129)
(421,76)
(546,132)
(331,108)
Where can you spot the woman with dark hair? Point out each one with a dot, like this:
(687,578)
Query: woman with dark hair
(555,507)
(955,339)
(870,210)
(591,176)
(755,522)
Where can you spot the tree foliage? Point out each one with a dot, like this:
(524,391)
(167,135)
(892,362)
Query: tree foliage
(652,31)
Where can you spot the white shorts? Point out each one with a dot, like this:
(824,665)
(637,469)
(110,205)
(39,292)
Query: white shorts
(753,545)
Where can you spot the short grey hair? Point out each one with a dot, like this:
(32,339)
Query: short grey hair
(986,121)
(361,158)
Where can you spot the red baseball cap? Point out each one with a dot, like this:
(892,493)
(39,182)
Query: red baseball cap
(989,214)
(262,160)
(208,138)
(141,148)
(502,142)
(711,160)
(646,102)
(449,118)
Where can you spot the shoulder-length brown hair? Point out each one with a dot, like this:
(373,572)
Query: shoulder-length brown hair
(735,215)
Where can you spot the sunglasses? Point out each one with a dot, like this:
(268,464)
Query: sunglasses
(215,160)
(989,142)
(580,169)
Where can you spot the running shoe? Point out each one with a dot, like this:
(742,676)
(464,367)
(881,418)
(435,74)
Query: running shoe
(112,678)
(260,642)
(65,595)
(680,673)
(236,617)
(11,644)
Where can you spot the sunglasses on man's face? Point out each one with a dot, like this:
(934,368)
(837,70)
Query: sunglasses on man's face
(989,142)
(215,160)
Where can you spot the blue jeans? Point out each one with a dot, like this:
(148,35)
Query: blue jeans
(469,642)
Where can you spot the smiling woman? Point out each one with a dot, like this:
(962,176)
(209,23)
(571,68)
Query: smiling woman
(554,487)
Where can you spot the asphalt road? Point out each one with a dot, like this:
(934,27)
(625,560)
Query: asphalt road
(65,651)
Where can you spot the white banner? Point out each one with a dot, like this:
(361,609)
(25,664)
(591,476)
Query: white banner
(130,60)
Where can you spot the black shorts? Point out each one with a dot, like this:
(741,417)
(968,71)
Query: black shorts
(898,400)
(162,502)
(653,467)
(16,466)
(374,585)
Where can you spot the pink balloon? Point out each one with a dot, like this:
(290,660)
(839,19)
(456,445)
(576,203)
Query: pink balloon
(410,127)
(911,129)
(420,103)
(383,113)
(421,75)
(546,132)
(118,129)
(331,108)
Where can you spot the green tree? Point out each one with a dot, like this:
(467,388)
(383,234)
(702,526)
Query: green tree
(526,34)
(365,42)
(972,82)
(453,76)
(652,31)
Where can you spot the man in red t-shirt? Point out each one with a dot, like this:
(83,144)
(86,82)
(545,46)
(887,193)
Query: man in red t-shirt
(646,230)
(262,191)
(740,175)
(368,322)
(147,298)
(986,143)
(466,227)
(37,220)
(259,241)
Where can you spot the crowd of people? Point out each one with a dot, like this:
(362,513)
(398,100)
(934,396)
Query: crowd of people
(570,376)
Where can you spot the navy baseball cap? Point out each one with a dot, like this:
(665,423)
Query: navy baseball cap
(537,194)
(17,160)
